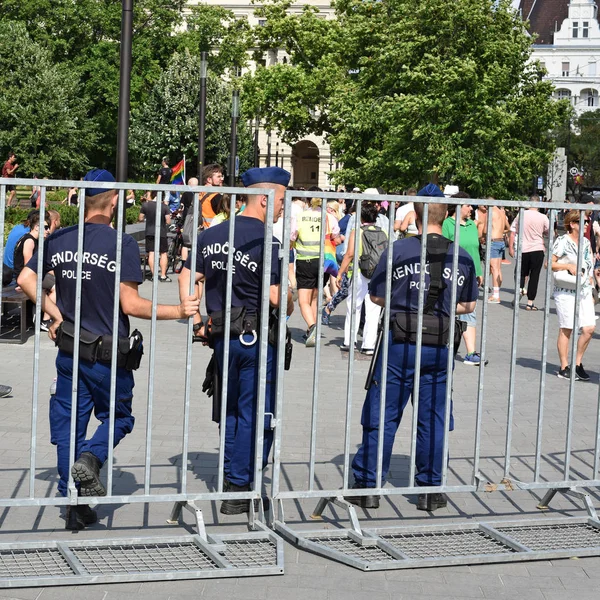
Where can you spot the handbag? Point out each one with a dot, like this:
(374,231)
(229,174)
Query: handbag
(564,279)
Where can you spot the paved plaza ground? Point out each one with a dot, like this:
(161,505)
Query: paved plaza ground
(306,575)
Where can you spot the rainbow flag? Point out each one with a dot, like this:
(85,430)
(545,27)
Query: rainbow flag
(177,176)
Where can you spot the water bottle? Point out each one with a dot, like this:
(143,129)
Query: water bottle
(53,387)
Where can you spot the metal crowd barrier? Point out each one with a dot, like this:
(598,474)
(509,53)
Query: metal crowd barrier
(309,476)
(255,552)
(315,474)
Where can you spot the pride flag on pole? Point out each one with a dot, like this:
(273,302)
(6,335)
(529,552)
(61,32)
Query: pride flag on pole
(177,175)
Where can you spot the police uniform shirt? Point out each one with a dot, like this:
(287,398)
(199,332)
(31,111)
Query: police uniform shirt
(212,258)
(406,274)
(98,274)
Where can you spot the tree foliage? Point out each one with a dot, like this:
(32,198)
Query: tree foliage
(43,116)
(406,90)
(167,123)
(82,38)
(216,30)
(584,151)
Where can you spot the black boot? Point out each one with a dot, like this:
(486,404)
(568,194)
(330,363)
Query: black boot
(235,507)
(363,501)
(78,517)
(431,502)
(86,471)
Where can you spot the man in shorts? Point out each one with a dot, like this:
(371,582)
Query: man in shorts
(500,227)
(8,170)
(148,213)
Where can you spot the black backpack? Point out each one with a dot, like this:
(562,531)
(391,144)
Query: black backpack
(374,242)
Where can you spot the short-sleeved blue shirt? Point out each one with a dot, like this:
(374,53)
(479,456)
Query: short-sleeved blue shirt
(16,233)
(99,266)
(406,274)
(212,262)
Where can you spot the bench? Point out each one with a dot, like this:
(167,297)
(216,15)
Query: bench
(10,298)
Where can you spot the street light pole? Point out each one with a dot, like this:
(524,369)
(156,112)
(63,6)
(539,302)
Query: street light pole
(124,93)
(235,113)
(202,119)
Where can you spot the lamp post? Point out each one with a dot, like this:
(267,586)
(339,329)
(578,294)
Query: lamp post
(235,113)
(124,95)
(202,116)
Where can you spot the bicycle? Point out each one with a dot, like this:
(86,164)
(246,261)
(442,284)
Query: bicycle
(175,235)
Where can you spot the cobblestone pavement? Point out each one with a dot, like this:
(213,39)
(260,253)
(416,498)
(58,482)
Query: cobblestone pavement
(307,575)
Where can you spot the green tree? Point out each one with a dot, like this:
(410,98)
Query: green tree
(405,90)
(585,147)
(85,36)
(167,123)
(216,30)
(43,117)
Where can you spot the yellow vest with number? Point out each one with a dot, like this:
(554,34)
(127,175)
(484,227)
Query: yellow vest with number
(308,242)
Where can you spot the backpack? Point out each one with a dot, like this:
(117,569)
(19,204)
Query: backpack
(374,242)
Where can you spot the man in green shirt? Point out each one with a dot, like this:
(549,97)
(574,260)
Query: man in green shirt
(469,241)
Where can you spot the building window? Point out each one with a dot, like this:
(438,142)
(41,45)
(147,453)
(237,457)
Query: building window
(575,29)
(592,97)
(563,94)
(565,69)
(592,69)
(585,29)
(262,22)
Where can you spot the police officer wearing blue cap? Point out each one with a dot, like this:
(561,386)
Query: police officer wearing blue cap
(211,269)
(97,298)
(406,273)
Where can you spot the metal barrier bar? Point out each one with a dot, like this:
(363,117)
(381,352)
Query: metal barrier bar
(226,336)
(36,350)
(574,334)
(188,351)
(482,359)
(76,342)
(353,328)
(152,353)
(450,363)
(544,363)
(263,340)
(315,390)
(385,345)
(2,225)
(281,341)
(115,340)
(416,395)
(513,352)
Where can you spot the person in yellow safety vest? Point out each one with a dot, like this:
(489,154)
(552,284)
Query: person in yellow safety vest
(210,202)
(307,235)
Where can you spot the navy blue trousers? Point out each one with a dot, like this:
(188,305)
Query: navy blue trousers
(93,396)
(242,395)
(399,387)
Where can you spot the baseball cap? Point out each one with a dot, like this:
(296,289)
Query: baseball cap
(450,190)
(97,175)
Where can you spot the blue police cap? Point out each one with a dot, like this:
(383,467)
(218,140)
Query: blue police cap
(97,175)
(431,190)
(266,175)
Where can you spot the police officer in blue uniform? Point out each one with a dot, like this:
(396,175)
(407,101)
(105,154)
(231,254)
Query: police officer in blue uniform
(98,290)
(401,354)
(211,269)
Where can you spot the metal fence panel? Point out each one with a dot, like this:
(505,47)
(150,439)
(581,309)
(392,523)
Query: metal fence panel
(144,559)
